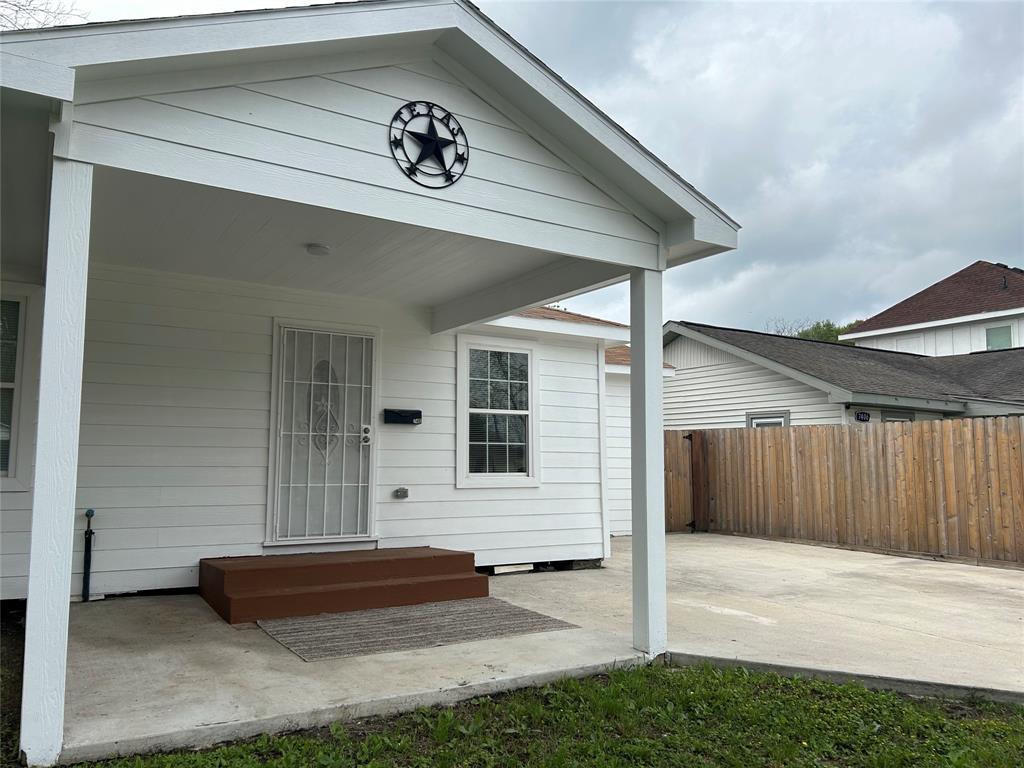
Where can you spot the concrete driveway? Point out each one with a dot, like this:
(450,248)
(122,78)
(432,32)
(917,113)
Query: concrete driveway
(809,606)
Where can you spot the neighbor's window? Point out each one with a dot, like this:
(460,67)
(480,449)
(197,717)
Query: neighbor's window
(11,326)
(897,415)
(999,337)
(499,411)
(778,419)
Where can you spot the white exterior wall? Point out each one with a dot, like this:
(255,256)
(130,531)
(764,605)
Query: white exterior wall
(175,431)
(954,339)
(620,510)
(713,389)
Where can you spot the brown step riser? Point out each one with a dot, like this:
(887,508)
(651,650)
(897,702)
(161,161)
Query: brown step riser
(345,573)
(252,608)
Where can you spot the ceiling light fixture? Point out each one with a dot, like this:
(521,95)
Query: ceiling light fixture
(318,249)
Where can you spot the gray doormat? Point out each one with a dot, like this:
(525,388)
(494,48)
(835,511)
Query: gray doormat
(405,628)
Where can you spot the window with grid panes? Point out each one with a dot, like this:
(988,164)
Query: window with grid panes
(499,412)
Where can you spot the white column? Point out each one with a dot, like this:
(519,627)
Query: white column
(650,630)
(56,466)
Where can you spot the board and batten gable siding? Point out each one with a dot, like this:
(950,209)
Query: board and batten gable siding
(176,428)
(959,339)
(713,389)
(324,137)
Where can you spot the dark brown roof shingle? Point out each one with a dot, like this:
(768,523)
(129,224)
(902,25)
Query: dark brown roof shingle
(553,313)
(981,287)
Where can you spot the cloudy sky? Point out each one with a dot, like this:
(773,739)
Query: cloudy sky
(867,149)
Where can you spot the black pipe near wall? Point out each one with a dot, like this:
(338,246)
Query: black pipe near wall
(87,559)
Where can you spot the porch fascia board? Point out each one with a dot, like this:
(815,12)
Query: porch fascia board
(118,42)
(34,76)
(131,152)
(566,277)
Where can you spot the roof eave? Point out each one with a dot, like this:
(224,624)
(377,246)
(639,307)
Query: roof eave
(672,330)
(690,224)
(900,401)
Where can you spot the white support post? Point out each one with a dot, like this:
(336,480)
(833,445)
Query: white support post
(650,629)
(56,466)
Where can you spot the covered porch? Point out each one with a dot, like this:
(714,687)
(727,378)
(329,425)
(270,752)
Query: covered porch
(210,210)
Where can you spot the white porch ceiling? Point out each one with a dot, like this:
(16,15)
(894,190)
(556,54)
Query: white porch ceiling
(157,223)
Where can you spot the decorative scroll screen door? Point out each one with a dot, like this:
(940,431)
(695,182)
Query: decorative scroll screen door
(324,435)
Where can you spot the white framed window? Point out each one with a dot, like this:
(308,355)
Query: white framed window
(496,424)
(20,320)
(773,419)
(322,459)
(998,337)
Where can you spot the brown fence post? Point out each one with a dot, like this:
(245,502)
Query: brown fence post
(699,481)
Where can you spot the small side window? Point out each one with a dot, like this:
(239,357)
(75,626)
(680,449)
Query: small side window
(998,337)
(774,419)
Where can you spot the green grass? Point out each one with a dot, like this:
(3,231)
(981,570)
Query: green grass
(653,716)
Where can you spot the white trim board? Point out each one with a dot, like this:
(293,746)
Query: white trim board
(981,316)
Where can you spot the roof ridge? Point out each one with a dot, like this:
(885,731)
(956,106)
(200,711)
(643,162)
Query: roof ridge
(798,338)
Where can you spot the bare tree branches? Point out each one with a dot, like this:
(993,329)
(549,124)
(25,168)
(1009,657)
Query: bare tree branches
(28,14)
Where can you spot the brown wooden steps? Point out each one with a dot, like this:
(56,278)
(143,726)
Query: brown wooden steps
(243,589)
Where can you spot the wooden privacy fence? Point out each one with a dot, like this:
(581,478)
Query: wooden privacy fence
(951,488)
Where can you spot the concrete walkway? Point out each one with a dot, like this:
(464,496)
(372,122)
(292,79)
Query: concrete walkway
(149,673)
(808,606)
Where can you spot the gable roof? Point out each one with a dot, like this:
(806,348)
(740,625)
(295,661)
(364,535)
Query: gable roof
(482,55)
(980,287)
(863,370)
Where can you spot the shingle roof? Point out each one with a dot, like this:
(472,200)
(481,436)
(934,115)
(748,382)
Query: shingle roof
(622,356)
(553,313)
(996,375)
(981,287)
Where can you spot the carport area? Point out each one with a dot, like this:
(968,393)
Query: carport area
(159,672)
(809,606)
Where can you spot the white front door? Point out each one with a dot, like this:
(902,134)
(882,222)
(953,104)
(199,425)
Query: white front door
(323,435)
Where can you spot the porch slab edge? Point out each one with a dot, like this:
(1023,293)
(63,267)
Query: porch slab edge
(910,687)
(212,734)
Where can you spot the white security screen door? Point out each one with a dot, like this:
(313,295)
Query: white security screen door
(324,435)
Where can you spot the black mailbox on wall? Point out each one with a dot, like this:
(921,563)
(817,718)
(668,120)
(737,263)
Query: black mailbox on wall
(402,416)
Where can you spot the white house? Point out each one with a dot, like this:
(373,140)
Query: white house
(979,308)
(206,205)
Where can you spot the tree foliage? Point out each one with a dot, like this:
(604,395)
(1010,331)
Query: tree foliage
(28,14)
(817,330)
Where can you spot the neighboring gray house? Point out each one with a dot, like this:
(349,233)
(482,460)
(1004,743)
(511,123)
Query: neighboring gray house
(726,377)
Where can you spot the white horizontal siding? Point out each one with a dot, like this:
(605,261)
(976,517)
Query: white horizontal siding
(332,128)
(711,396)
(176,428)
(617,435)
(958,339)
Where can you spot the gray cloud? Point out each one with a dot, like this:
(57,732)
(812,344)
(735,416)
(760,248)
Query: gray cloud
(868,149)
